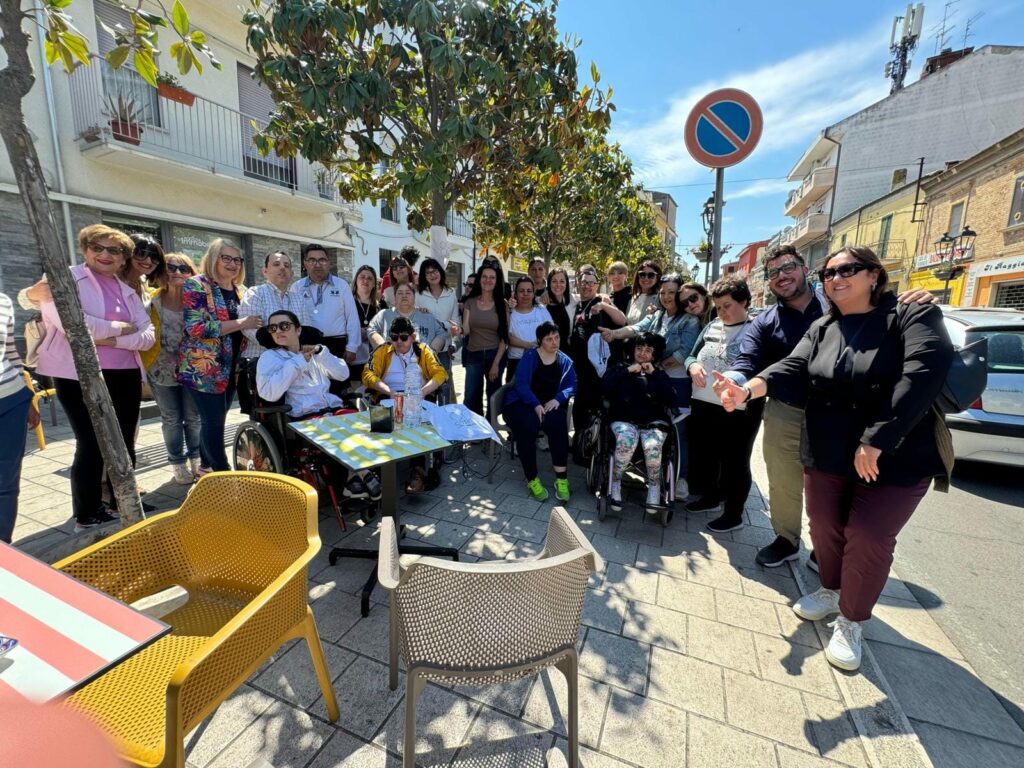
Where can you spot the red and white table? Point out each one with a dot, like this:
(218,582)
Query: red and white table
(68,632)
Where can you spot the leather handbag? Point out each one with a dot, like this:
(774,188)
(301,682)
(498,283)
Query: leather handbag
(966,379)
(35,333)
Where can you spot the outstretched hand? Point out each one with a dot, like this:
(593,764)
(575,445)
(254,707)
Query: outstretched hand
(729,392)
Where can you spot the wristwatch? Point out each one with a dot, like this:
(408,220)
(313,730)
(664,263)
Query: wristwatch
(749,392)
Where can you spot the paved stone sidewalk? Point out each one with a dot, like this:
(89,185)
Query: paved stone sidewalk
(689,653)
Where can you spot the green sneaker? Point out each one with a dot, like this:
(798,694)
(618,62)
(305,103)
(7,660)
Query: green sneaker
(539,492)
(561,489)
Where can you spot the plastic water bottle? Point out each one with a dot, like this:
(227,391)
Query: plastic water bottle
(412,395)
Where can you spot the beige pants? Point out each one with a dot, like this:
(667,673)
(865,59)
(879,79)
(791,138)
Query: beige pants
(782,426)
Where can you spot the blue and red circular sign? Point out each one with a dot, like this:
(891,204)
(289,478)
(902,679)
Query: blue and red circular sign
(723,128)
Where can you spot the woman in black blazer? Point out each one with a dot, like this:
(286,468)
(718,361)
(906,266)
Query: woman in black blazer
(872,370)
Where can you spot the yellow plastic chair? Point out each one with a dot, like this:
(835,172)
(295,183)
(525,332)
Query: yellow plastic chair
(240,545)
(39,395)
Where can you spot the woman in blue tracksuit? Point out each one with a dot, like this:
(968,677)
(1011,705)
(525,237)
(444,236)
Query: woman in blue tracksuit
(544,382)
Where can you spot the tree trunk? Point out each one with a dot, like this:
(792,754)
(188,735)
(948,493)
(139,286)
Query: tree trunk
(16,81)
(439,247)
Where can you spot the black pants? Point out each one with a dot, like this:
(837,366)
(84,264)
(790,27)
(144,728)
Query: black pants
(125,387)
(720,445)
(337,346)
(587,400)
(245,393)
(526,428)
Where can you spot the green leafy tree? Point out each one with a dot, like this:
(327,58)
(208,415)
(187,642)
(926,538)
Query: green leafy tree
(66,45)
(417,98)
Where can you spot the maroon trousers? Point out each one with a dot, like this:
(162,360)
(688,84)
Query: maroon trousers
(853,528)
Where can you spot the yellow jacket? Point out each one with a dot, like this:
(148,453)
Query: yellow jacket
(150,355)
(380,362)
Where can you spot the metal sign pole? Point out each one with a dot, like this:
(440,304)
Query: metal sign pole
(716,237)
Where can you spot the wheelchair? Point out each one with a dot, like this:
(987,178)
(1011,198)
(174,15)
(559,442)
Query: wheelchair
(601,450)
(264,444)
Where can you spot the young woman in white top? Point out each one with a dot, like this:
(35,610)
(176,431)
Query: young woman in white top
(645,292)
(523,322)
(434,296)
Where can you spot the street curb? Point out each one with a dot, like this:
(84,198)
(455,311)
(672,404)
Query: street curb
(885,732)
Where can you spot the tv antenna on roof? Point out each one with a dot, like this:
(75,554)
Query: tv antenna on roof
(967,26)
(942,31)
(909,33)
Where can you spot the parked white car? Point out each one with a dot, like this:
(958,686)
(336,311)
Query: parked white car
(992,429)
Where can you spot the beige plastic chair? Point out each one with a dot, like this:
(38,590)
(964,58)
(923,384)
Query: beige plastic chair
(488,622)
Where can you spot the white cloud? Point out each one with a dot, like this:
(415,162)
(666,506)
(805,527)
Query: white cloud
(799,96)
(760,189)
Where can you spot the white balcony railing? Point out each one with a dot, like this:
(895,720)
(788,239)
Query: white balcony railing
(206,135)
(459,225)
(807,228)
(816,183)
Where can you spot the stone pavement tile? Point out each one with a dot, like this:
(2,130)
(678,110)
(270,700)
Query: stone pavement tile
(349,575)
(547,703)
(447,534)
(51,483)
(614,550)
(345,751)
(630,582)
(292,678)
(644,732)
(486,521)
(908,624)
(604,610)
(777,587)
(833,730)
(479,494)
(709,546)
(515,487)
(714,573)
(26,526)
(418,504)
(335,611)
(656,625)
(451,510)
(754,536)
(945,692)
(633,528)
(529,528)
(615,660)
(714,745)
(747,612)
(955,749)
(894,587)
(662,560)
(40,466)
(498,740)
(686,682)
(591,759)
(489,546)
(767,709)
(686,596)
(795,629)
(728,646)
(416,523)
(284,736)
(442,720)
(586,518)
(514,505)
(41,542)
(796,666)
(369,635)
(792,758)
(228,721)
(364,698)
(508,697)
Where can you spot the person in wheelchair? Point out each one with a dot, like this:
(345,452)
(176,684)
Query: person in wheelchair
(639,394)
(385,376)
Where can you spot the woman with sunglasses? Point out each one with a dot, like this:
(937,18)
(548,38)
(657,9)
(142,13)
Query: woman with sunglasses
(210,350)
(120,328)
(145,270)
(645,292)
(400,273)
(179,419)
(695,300)
(871,370)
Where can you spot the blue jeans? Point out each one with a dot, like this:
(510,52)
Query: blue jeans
(213,411)
(179,421)
(477,365)
(13,413)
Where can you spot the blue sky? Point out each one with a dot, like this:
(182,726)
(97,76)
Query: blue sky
(808,64)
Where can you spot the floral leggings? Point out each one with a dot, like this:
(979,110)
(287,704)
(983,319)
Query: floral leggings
(627,436)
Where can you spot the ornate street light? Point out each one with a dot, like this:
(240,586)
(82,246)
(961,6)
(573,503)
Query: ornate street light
(707,216)
(953,250)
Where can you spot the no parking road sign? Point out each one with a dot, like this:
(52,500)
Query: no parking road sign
(723,128)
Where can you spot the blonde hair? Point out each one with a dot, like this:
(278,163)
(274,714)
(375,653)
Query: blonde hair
(176,258)
(207,266)
(618,267)
(95,232)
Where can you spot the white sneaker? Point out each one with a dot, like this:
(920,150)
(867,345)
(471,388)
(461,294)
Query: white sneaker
(195,465)
(844,648)
(682,489)
(615,496)
(182,474)
(817,605)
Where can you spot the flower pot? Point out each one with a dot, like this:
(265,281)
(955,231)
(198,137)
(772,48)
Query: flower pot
(130,133)
(174,93)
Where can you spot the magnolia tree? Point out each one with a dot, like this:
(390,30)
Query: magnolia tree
(65,45)
(417,98)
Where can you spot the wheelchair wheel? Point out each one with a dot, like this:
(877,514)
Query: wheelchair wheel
(602,473)
(255,450)
(593,470)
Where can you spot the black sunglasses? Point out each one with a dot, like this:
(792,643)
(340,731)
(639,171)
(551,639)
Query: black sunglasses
(183,269)
(400,336)
(693,298)
(843,270)
(646,275)
(284,325)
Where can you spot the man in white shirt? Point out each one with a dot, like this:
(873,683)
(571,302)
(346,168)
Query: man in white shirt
(261,301)
(325,302)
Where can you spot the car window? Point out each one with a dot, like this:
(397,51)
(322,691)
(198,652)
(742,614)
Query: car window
(1005,350)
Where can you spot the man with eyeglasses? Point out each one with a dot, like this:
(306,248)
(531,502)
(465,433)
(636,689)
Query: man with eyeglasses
(325,302)
(260,301)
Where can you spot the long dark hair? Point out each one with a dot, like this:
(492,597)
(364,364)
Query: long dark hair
(868,257)
(500,306)
(567,295)
(649,264)
(144,244)
(704,317)
(355,282)
(428,263)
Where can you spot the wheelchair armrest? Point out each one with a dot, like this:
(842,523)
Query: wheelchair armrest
(267,409)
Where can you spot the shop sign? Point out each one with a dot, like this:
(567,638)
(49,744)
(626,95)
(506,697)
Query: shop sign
(193,241)
(926,260)
(988,269)
(519,264)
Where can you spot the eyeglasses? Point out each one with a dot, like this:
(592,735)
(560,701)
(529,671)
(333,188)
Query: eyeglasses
(225,259)
(693,298)
(183,269)
(843,270)
(113,250)
(588,282)
(316,262)
(284,325)
(647,275)
(400,336)
(785,269)
(144,256)
(467,284)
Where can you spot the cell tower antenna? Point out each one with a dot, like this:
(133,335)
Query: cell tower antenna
(902,41)
(967,26)
(942,31)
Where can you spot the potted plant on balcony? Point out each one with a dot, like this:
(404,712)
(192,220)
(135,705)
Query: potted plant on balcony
(167,85)
(124,119)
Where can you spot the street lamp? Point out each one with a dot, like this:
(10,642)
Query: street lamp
(953,250)
(707,216)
